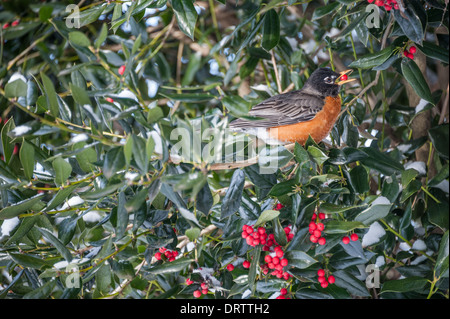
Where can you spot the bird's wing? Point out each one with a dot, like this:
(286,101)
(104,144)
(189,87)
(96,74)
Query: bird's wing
(284,109)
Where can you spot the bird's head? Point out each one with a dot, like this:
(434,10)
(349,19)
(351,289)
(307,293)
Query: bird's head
(326,82)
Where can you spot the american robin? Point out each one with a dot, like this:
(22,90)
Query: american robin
(293,116)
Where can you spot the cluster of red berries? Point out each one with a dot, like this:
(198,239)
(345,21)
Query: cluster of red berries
(253,236)
(13,24)
(289,233)
(278,206)
(198,293)
(410,53)
(387,4)
(316,228)
(353,237)
(276,263)
(283,293)
(170,255)
(324,281)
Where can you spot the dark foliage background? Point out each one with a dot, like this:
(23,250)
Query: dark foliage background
(87,176)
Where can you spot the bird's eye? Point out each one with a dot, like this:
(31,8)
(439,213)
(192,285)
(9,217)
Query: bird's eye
(328,80)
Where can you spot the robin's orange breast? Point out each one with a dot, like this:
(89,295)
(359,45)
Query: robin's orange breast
(319,127)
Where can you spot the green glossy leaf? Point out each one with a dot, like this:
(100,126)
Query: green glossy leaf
(299,259)
(442,259)
(270,30)
(101,36)
(62,170)
(373,213)
(7,146)
(18,208)
(55,242)
(186,16)
(26,156)
(323,11)
(415,78)
(170,267)
(404,285)
(380,162)
(52,99)
(342,227)
(434,51)
(29,261)
(410,24)
(372,60)
(350,283)
(232,199)
(359,179)
(78,38)
(15,89)
(266,216)
(236,105)
(114,161)
(440,137)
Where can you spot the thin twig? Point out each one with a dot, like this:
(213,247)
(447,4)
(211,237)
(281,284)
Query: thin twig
(275,69)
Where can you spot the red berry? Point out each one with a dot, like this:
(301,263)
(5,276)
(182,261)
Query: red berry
(320,226)
(290,236)
(121,70)
(314,216)
(387,7)
(261,230)
(324,284)
(204,291)
(197,294)
(162,250)
(110,100)
(158,255)
(379,3)
(230,267)
(275,260)
(280,297)
(317,233)
(370,1)
(15,23)
(5,26)
(321,273)
(354,237)
(284,262)
(246,264)
(410,55)
(321,279)
(345,240)
(413,49)
(271,265)
(313,239)
(287,230)
(204,285)
(189,281)
(331,279)
(312,225)
(405,53)
(343,78)
(283,291)
(322,241)
(279,206)
(321,215)
(279,253)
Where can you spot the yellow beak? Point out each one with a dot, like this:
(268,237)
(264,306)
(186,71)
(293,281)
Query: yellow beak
(346,72)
